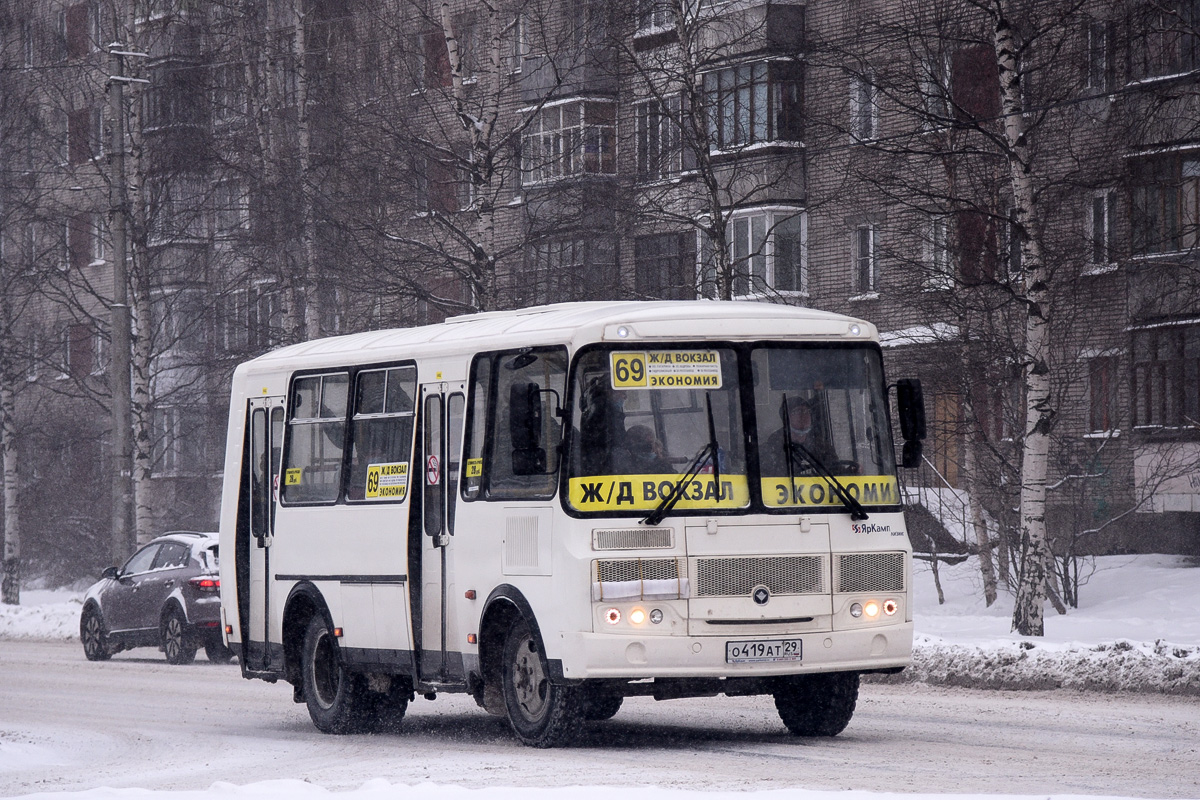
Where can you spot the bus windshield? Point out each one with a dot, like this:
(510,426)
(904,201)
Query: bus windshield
(825,405)
(641,423)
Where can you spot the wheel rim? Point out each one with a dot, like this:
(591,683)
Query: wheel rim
(531,689)
(326,676)
(91,633)
(173,643)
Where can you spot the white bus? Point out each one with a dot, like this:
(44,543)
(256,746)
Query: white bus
(559,507)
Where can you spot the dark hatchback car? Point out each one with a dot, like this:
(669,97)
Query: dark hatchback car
(168,594)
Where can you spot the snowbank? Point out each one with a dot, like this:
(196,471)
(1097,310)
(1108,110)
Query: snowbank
(1137,630)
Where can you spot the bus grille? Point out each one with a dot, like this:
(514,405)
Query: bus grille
(637,569)
(632,539)
(721,577)
(638,578)
(871,572)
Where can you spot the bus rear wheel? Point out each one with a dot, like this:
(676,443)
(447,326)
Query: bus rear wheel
(335,695)
(541,713)
(817,705)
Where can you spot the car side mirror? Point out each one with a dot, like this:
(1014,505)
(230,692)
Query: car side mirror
(110,572)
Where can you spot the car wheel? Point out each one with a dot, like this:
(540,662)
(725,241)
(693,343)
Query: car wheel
(93,635)
(599,705)
(177,641)
(541,713)
(216,651)
(817,705)
(336,696)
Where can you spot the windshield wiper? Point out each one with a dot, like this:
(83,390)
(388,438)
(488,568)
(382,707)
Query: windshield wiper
(857,512)
(708,451)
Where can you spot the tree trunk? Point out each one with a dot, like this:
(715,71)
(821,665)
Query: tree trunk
(10,583)
(143,413)
(982,541)
(308,269)
(1033,291)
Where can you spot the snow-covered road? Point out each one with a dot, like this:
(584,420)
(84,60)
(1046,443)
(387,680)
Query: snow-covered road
(67,724)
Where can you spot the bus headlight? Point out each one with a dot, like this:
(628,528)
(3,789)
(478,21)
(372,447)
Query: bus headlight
(612,616)
(856,610)
(890,607)
(656,616)
(637,616)
(871,609)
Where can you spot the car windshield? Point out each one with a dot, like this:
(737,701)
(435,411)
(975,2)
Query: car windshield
(643,420)
(822,404)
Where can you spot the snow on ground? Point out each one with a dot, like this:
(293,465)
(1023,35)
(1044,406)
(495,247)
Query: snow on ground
(1137,629)
(380,789)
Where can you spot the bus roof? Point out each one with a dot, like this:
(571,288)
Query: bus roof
(642,321)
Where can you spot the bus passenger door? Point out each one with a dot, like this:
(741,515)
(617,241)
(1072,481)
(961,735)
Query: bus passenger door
(266,441)
(441,446)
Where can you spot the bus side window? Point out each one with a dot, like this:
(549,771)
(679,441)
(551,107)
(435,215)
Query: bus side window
(381,434)
(531,384)
(476,433)
(312,472)
(455,408)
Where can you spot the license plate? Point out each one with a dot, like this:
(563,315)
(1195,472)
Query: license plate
(762,651)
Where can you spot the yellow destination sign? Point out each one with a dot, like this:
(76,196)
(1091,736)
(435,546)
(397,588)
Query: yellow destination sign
(666,369)
(645,492)
(870,490)
(387,481)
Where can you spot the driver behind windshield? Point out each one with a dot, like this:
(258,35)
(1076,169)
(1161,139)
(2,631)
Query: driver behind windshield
(803,430)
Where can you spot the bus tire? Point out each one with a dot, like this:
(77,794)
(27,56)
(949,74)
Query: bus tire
(541,713)
(335,695)
(601,705)
(817,705)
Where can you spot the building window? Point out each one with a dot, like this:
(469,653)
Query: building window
(177,446)
(231,210)
(655,15)
(1100,229)
(754,103)
(865,274)
(84,135)
(939,264)
(659,149)
(80,29)
(1166,204)
(175,209)
(665,266)
(1098,37)
(572,138)
(1166,376)
(101,349)
(864,108)
(1166,39)
(570,269)
(1102,393)
(768,249)
(935,91)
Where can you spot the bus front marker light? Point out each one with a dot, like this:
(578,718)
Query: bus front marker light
(612,616)
(856,610)
(637,616)
(890,607)
(855,330)
(623,332)
(871,609)
(656,616)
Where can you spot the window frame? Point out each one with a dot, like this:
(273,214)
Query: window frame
(773,217)
(745,105)
(563,150)
(866,284)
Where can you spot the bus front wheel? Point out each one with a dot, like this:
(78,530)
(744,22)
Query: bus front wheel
(335,695)
(817,705)
(541,713)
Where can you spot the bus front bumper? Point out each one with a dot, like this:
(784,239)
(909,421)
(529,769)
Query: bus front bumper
(605,655)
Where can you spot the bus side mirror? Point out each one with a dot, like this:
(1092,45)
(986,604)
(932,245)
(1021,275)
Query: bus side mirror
(524,415)
(910,405)
(910,456)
